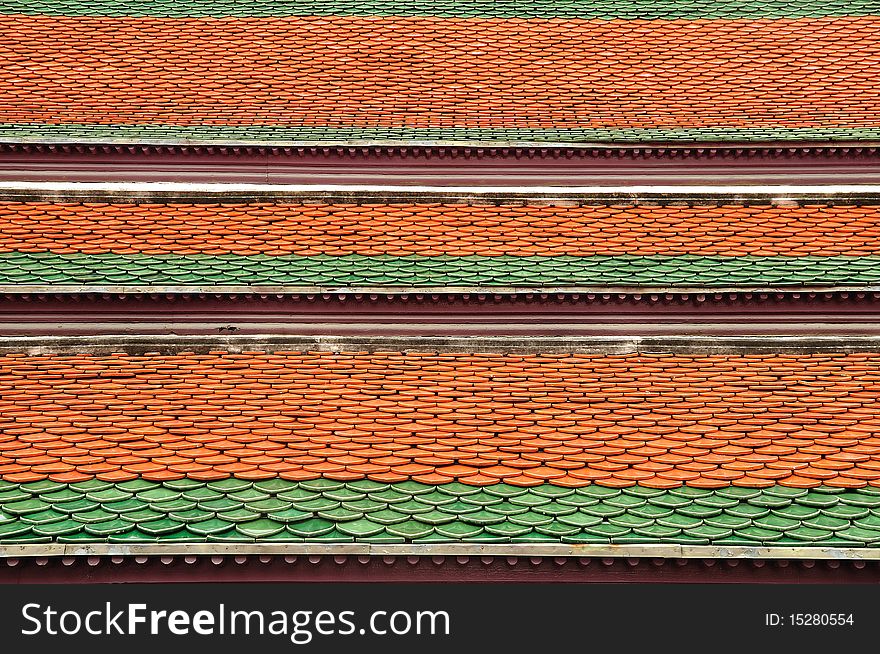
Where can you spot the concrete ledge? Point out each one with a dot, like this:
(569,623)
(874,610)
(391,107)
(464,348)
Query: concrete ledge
(38,345)
(455,549)
(468,144)
(582,292)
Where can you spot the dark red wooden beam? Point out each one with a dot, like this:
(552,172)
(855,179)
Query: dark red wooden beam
(415,314)
(109,569)
(446,166)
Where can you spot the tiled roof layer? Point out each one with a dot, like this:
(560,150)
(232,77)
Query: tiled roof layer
(663,421)
(334,78)
(457,272)
(323,511)
(413,245)
(433,229)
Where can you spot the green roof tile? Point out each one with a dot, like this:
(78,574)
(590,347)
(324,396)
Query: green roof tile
(577,9)
(835,519)
(286,134)
(482,271)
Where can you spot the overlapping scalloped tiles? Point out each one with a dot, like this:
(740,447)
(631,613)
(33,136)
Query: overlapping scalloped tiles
(285,135)
(329,78)
(629,9)
(413,272)
(433,229)
(412,244)
(324,511)
(662,421)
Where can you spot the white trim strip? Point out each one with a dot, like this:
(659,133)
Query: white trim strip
(452,549)
(781,191)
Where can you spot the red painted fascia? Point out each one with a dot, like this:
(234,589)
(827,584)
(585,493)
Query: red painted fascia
(417,314)
(444,165)
(446,569)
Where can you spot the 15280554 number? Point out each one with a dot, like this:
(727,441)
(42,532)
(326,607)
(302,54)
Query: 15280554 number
(820,619)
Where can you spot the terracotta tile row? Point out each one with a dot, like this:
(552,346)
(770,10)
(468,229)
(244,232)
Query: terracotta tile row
(661,420)
(311,229)
(423,72)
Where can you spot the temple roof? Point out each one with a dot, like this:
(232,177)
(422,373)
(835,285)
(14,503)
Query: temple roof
(254,362)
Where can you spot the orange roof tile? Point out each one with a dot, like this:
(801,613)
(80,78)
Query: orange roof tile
(320,428)
(408,77)
(314,228)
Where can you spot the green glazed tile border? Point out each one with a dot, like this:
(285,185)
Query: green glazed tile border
(584,9)
(326,511)
(349,270)
(283,134)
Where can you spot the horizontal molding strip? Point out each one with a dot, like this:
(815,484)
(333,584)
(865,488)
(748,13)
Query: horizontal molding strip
(36,345)
(233,324)
(797,138)
(452,148)
(123,289)
(408,165)
(213,192)
(464,549)
(768,146)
